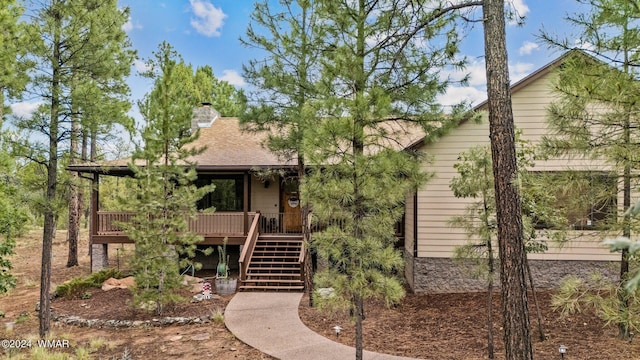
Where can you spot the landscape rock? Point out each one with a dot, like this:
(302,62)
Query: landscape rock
(113,283)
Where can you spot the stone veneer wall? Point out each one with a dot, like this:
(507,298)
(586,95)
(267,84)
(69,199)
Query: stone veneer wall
(99,257)
(444,275)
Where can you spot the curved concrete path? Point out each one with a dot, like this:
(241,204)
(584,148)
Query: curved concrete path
(270,323)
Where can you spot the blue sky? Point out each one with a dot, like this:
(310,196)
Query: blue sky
(206,32)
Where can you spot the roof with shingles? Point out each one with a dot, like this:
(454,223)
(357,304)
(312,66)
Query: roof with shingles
(228,147)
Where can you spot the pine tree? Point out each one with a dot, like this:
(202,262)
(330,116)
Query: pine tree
(515,312)
(224,97)
(70,42)
(598,90)
(13,66)
(377,85)
(167,192)
(284,85)
(475,180)
(14,214)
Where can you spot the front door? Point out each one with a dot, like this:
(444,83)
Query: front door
(291,205)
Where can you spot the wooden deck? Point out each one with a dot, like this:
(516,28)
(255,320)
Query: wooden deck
(214,227)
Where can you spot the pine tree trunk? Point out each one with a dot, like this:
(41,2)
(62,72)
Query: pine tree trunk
(306,235)
(624,331)
(52,183)
(74,214)
(517,338)
(359,319)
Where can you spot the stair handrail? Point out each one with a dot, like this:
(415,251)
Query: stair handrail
(249,246)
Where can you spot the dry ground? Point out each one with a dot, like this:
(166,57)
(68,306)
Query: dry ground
(435,326)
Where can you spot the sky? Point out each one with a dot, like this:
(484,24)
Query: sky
(207,32)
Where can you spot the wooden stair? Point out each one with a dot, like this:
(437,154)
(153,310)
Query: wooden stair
(275,264)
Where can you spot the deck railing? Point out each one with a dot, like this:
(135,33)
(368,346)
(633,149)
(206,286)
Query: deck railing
(218,223)
(280,223)
(249,245)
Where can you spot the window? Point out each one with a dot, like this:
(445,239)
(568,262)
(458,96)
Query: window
(588,200)
(228,194)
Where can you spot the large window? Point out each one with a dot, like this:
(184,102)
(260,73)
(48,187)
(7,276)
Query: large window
(588,200)
(228,194)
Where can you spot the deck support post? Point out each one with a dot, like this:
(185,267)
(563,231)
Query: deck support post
(245,204)
(99,253)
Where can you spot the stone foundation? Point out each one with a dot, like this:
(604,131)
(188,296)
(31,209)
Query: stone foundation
(99,257)
(445,275)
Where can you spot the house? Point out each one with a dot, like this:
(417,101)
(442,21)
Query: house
(258,208)
(430,240)
(256,201)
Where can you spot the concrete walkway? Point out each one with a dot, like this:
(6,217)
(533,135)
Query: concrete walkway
(270,323)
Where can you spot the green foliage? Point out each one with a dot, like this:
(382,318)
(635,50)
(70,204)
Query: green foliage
(475,180)
(371,91)
(597,95)
(14,215)
(224,97)
(77,286)
(222,270)
(284,79)
(600,294)
(13,70)
(167,195)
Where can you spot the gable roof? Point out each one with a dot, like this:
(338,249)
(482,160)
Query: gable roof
(228,147)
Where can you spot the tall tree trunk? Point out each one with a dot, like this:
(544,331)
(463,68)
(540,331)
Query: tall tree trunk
(74,207)
(515,312)
(52,183)
(309,267)
(624,331)
(359,302)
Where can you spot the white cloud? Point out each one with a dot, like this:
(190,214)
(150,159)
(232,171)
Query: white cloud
(519,6)
(232,77)
(140,66)
(475,70)
(130,25)
(518,71)
(208,19)
(458,94)
(25,109)
(527,48)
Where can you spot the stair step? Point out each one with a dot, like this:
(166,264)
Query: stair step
(274,264)
(268,288)
(274,281)
(284,277)
(262,269)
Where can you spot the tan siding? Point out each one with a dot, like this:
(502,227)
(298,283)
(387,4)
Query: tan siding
(265,200)
(437,204)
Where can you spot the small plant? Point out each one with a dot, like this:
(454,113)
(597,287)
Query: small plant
(78,285)
(24,316)
(83,353)
(96,343)
(86,295)
(222,271)
(217,315)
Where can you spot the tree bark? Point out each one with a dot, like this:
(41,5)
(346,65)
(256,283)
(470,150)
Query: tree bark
(52,183)
(517,338)
(74,206)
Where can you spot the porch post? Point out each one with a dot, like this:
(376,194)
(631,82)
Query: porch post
(99,253)
(245,203)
